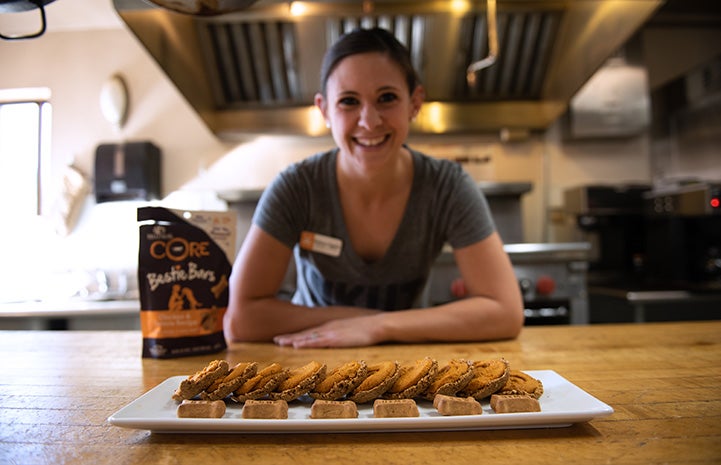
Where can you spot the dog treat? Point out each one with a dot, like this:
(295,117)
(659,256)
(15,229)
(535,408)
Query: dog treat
(299,381)
(488,377)
(184,261)
(201,409)
(452,405)
(521,383)
(222,387)
(387,408)
(261,384)
(455,389)
(414,379)
(333,409)
(514,403)
(265,409)
(199,381)
(379,379)
(450,379)
(340,381)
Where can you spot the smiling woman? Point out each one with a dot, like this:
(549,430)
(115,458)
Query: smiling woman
(365,222)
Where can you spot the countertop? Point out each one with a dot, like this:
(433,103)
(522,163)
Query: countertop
(662,380)
(68,308)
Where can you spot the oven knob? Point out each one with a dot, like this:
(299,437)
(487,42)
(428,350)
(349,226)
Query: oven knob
(545,285)
(458,288)
(525,284)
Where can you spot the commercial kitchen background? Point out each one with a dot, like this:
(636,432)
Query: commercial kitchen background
(87,43)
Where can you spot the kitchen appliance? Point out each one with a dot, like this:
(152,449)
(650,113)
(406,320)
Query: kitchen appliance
(128,171)
(656,251)
(683,236)
(257,70)
(552,278)
(611,219)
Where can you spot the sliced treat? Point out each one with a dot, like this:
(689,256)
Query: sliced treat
(414,379)
(391,408)
(199,381)
(333,409)
(379,379)
(450,379)
(514,403)
(260,385)
(265,409)
(299,381)
(222,387)
(340,381)
(522,383)
(488,377)
(452,405)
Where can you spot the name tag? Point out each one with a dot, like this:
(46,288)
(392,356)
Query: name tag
(319,243)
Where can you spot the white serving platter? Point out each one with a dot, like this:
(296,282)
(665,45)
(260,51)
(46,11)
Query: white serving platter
(562,404)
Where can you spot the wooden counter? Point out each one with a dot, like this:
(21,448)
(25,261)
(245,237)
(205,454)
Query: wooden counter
(664,381)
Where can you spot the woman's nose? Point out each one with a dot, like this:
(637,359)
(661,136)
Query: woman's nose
(369,117)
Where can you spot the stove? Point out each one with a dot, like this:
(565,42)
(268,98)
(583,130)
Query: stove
(552,279)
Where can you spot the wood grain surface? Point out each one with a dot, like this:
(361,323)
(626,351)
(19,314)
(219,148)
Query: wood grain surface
(663,380)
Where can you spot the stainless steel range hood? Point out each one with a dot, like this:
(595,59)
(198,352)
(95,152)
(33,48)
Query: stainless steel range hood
(256,71)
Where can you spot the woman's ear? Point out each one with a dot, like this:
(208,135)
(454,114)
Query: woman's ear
(417,98)
(321,104)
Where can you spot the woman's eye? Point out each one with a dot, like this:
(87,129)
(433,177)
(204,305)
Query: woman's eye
(348,101)
(387,97)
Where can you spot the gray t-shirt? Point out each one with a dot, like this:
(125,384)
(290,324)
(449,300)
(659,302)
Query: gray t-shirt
(445,206)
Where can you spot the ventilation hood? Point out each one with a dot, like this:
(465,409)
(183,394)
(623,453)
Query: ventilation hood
(257,70)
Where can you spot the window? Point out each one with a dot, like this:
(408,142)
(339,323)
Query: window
(25,116)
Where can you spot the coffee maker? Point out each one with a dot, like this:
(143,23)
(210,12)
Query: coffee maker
(683,236)
(611,219)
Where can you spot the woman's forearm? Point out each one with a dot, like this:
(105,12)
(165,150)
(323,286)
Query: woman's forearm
(471,319)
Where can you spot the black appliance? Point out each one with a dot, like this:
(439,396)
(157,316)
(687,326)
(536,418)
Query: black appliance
(129,171)
(658,254)
(611,218)
(683,236)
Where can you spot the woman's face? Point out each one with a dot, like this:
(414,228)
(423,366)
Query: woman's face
(369,109)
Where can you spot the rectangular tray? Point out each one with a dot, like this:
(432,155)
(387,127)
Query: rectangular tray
(562,404)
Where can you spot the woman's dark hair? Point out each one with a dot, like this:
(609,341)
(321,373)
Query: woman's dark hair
(365,41)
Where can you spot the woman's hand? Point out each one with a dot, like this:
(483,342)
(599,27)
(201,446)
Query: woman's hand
(344,332)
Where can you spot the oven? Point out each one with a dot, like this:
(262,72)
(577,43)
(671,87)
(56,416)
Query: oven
(551,276)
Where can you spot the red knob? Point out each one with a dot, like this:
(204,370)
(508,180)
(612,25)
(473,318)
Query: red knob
(545,285)
(458,288)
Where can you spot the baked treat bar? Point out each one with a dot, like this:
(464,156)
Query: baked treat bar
(265,409)
(514,403)
(452,405)
(388,408)
(201,409)
(333,409)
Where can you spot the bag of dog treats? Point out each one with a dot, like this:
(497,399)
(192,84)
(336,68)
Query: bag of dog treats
(184,264)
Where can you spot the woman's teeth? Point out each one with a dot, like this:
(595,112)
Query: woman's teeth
(370,142)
